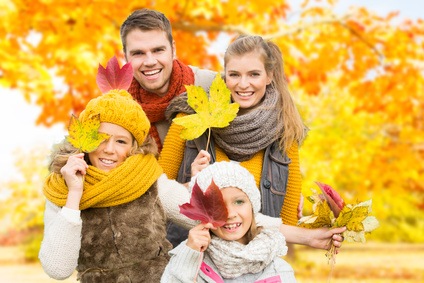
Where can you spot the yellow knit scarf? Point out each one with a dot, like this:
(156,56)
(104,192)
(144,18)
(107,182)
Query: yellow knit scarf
(125,183)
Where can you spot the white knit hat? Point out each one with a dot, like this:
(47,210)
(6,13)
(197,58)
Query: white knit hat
(229,174)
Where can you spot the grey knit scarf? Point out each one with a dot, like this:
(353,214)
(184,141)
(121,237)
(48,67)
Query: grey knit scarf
(247,133)
(234,259)
(251,132)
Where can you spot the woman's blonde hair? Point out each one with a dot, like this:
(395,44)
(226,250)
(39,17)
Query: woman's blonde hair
(270,53)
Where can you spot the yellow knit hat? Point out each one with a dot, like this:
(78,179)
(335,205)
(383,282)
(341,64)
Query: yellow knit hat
(118,107)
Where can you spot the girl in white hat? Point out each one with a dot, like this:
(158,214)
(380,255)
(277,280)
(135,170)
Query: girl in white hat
(238,251)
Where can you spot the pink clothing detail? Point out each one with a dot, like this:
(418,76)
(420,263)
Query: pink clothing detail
(207,270)
(273,279)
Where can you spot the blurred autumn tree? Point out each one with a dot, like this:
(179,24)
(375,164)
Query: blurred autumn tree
(22,202)
(358,78)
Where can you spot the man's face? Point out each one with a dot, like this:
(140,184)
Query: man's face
(151,56)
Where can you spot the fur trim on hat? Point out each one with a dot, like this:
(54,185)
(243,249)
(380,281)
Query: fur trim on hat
(118,107)
(229,174)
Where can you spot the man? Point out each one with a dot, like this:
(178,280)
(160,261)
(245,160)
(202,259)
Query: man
(148,44)
(158,76)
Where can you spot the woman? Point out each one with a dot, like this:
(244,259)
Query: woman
(264,137)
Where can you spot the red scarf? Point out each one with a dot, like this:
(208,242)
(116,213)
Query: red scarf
(154,105)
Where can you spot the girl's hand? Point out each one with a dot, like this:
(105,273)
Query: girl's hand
(73,172)
(199,237)
(201,161)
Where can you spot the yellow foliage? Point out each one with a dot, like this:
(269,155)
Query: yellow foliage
(24,204)
(358,77)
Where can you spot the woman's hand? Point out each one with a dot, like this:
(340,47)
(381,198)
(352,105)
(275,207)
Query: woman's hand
(73,172)
(199,237)
(201,161)
(321,238)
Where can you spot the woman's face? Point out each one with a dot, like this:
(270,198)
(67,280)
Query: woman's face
(112,152)
(240,215)
(247,79)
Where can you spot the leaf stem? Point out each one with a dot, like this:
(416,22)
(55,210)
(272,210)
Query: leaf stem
(209,138)
(331,255)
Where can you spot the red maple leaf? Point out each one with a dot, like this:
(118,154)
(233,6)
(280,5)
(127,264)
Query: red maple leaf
(333,199)
(208,207)
(114,77)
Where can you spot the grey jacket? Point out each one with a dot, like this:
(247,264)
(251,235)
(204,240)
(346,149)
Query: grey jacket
(275,172)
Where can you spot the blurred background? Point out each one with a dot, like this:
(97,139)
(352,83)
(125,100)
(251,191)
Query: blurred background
(355,69)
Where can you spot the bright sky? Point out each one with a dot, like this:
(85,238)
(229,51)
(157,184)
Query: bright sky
(17,126)
(18,130)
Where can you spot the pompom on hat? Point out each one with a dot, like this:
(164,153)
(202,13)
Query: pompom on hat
(229,174)
(118,107)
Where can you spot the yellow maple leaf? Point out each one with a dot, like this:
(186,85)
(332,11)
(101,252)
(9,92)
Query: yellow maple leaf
(215,111)
(85,136)
(321,216)
(370,223)
(344,216)
(352,236)
(355,222)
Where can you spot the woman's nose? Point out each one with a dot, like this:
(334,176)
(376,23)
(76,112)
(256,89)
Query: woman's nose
(244,82)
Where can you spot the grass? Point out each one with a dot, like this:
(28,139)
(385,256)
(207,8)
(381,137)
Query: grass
(369,262)
(356,263)
(14,269)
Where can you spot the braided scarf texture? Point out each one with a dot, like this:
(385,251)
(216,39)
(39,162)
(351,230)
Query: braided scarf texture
(252,131)
(153,105)
(124,184)
(234,259)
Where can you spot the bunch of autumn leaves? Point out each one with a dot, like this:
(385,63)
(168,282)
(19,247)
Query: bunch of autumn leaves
(330,210)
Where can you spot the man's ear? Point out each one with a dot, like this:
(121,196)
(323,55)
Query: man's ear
(174,50)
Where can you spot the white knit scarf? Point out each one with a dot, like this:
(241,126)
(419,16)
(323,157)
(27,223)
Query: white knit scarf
(234,259)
